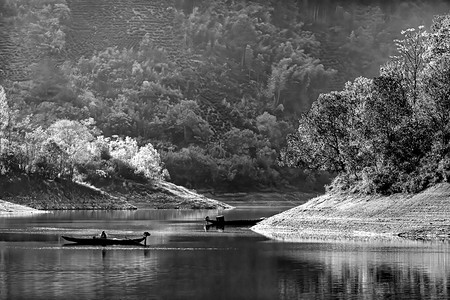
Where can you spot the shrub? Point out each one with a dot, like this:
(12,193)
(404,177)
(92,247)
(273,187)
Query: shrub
(126,171)
(191,167)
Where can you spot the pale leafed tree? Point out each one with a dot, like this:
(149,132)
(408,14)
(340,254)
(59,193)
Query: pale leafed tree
(147,162)
(4,116)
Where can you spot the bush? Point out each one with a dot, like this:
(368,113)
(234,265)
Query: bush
(238,172)
(191,167)
(10,163)
(126,171)
(340,183)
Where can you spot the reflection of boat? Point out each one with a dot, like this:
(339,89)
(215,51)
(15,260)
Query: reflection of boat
(220,221)
(107,241)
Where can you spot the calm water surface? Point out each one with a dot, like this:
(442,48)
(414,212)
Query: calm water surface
(184,261)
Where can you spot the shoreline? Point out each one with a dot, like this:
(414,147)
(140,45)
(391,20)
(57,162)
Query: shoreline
(421,217)
(24,194)
(11,209)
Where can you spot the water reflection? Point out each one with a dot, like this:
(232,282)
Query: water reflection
(415,271)
(87,273)
(183,261)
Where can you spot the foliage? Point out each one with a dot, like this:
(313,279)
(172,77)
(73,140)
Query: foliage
(72,149)
(385,135)
(42,24)
(191,167)
(130,158)
(265,55)
(185,117)
(231,98)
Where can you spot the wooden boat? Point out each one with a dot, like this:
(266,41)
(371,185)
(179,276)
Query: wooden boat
(107,241)
(220,221)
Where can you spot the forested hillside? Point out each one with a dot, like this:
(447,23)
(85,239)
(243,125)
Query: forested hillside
(202,93)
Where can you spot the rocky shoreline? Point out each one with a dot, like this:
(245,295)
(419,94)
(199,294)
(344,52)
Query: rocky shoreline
(423,216)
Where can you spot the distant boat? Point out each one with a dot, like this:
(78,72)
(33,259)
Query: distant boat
(108,241)
(220,221)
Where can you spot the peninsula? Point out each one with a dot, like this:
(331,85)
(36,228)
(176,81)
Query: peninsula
(421,216)
(387,141)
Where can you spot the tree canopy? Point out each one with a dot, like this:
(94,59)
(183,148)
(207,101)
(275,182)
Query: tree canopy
(388,134)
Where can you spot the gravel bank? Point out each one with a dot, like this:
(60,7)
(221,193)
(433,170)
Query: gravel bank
(423,216)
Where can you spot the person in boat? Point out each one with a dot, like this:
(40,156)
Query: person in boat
(103,235)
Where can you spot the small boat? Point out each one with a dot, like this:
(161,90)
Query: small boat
(108,241)
(220,221)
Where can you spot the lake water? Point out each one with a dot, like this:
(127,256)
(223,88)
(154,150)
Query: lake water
(184,261)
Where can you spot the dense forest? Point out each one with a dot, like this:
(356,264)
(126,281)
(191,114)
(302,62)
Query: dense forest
(213,108)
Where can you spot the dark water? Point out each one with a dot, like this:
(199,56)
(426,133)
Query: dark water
(184,261)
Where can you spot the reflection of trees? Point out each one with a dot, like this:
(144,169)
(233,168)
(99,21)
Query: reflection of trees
(238,273)
(367,275)
(77,273)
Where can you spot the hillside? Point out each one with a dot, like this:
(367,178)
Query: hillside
(423,216)
(8,208)
(94,26)
(218,88)
(37,193)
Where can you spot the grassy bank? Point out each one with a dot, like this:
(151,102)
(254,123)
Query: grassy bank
(422,216)
(43,194)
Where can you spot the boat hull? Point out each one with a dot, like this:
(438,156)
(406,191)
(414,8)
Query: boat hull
(104,242)
(235,222)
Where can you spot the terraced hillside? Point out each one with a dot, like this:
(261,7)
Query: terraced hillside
(96,25)
(14,59)
(5,48)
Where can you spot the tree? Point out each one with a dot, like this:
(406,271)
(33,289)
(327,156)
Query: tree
(5,116)
(275,130)
(385,135)
(12,129)
(73,139)
(294,81)
(239,142)
(186,116)
(322,134)
(147,162)
(44,26)
(192,167)
(411,60)
(51,161)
